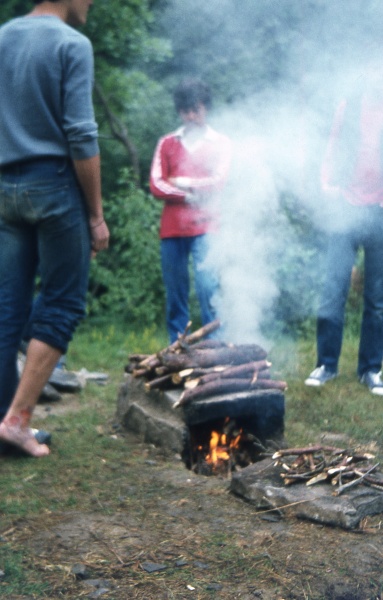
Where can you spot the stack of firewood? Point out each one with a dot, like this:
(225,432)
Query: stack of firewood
(205,367)
(343,468)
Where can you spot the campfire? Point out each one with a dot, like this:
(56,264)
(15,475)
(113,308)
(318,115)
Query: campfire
(225,393)
(222,447)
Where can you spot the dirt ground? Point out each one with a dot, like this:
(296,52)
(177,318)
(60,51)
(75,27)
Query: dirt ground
(162,532)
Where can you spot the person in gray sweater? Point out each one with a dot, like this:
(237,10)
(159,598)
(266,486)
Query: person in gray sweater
(51,213)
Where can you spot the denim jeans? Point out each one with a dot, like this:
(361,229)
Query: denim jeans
(44,229)
(175,254)
(366,231)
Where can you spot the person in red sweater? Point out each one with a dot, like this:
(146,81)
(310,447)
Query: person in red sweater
(352,179)
(189,169)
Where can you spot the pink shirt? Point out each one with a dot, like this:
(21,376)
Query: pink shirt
(366,182)
(366,186)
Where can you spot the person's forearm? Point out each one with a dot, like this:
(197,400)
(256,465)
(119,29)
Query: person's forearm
(88,173)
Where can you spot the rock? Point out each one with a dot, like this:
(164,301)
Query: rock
(50,394)
(80,571)
(150,567)
(200,565)
(214,587)
(262,485)
(181,563)
(66,381)
(151,415)
(99,592)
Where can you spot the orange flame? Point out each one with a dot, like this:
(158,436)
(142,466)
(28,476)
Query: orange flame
(219,447)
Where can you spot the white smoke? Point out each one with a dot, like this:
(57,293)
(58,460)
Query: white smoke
(279,133)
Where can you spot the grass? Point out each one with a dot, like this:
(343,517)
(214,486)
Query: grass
(343,406)
(91,469)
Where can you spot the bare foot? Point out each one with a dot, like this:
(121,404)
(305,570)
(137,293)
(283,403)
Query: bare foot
(22,437)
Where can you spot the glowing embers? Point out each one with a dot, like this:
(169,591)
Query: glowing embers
(221,447)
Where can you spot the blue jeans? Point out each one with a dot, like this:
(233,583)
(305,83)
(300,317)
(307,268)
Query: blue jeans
(366,232)
(175,253)
(44,228)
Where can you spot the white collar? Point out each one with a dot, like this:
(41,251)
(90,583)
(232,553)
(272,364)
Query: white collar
(209,133)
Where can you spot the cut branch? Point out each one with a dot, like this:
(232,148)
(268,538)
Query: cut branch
(225,386)
(154,360)
(233,355)
(240,371)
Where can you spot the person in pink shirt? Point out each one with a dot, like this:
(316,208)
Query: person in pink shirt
(189,169)
(352,179)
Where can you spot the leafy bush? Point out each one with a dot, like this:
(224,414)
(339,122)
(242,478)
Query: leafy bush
(299,272)
(126,280)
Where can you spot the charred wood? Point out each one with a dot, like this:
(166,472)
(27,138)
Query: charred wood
(154,360)
(137,357)
(209,343)
(231,355)
(224,386)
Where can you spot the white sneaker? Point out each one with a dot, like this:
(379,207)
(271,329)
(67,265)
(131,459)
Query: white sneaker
(320,376)
(373,381)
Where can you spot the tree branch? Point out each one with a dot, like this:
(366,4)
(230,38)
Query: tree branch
(119,131)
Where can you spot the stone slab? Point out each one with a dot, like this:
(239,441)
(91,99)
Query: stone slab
(262,410)
(151,415)
(261,485)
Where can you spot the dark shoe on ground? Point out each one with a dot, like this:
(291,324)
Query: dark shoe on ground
(42,436)
(320,376)
(373,381)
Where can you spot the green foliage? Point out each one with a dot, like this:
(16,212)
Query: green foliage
(126,280)
(13,8)
(120,33)
(299,273)
(146,111)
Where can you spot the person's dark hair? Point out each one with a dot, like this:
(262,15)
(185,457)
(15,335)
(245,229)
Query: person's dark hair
(41,1)
(190,93)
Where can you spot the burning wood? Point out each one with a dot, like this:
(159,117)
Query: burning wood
(315,464)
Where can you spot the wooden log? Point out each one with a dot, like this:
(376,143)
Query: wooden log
(159,383)
(154,360)
(225,386)
(307,450)
(160,371)
(209,343)
(195,372)
(139,372)
(137,357)
(231,355)
(246,370)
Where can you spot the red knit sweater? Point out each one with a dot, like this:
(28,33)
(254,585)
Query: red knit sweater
(191,209)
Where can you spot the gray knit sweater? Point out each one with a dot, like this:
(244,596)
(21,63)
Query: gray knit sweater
(46,80)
